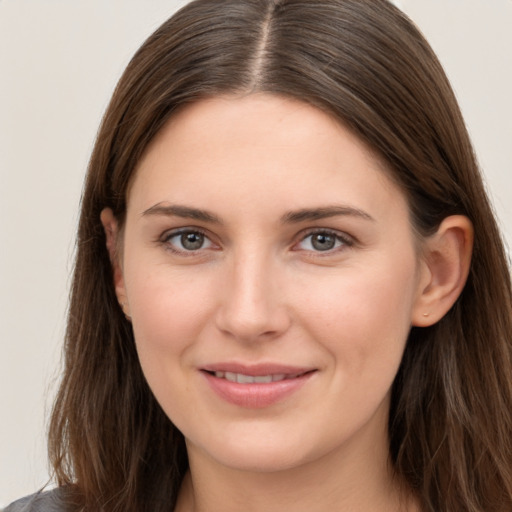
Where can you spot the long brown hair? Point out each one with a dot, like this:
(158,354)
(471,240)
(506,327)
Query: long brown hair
(364,62)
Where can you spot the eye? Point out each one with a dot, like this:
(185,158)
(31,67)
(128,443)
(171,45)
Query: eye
(323,241)
(187,241)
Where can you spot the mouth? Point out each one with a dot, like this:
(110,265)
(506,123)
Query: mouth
(257,386)
(242,378)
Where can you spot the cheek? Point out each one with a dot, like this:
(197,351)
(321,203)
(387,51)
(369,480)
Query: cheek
(363,317)
(166,319)
(168,310)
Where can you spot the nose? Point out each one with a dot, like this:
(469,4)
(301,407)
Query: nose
(252,305)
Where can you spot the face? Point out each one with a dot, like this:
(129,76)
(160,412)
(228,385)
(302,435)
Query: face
(271,274)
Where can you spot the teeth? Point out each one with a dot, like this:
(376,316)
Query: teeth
(244,379)
(230,376)
(263,379)
(251,379)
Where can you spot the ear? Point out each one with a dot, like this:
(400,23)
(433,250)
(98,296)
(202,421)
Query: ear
(445,268)
(111,227)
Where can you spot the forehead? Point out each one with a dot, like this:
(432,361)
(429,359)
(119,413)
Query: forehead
(260,146)
(256,120)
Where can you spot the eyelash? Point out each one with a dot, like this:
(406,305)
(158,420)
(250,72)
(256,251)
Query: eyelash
(169,235)
(342,241)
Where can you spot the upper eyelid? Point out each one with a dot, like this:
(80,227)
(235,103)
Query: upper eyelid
(169,233)
(343,235)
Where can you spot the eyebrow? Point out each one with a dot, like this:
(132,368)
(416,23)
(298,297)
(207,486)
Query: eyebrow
(324,213)
(185,212)
(292,217)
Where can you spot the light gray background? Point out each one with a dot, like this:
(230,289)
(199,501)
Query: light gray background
(59,62)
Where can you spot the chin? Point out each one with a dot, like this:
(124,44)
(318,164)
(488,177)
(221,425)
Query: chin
(257,452)
(258,460)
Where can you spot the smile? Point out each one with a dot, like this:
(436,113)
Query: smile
(254,379)
(256,386)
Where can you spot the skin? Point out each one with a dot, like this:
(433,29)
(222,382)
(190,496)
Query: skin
(259,290)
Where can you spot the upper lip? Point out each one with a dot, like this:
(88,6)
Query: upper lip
(256,369)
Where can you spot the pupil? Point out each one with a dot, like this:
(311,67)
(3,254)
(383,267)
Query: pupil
(323,242)
(192,241)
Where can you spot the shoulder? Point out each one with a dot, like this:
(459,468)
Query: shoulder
(49,501)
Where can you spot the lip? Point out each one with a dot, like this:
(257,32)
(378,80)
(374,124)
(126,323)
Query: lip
(256,395)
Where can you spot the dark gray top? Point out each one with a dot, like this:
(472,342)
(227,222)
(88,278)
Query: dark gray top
(49,501)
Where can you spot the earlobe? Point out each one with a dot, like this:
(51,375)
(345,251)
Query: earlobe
(446,263)
(111,227)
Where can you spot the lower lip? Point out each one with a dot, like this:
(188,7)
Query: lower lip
(255,395)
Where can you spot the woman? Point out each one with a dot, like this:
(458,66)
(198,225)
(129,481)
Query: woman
(290,290)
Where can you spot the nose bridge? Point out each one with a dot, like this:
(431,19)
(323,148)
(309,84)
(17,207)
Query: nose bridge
(252,302)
